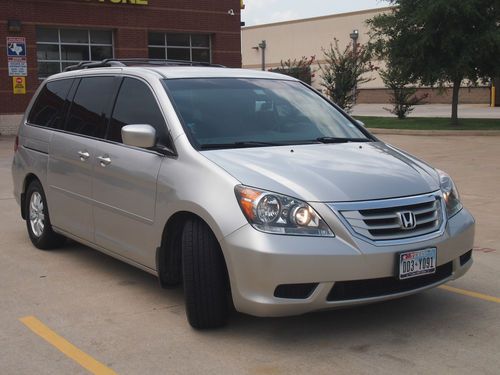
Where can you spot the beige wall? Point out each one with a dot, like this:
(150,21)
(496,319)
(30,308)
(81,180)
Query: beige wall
(307,37)
(295,39)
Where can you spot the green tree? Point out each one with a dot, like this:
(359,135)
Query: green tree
(343,71)
(440,41)
(403,97)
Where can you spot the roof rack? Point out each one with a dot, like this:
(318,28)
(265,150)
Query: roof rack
(136,62)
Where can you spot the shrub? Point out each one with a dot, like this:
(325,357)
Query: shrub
(300,69)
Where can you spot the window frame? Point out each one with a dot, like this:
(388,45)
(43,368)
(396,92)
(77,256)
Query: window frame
(59,45)
(107,110)
(166,46)
(170,152)
(169,140)
(64,110)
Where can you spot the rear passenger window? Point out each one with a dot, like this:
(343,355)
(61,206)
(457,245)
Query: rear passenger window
(136,104)
(49,108)
(88,113)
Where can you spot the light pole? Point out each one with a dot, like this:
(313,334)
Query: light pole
(354,36)
(262,45)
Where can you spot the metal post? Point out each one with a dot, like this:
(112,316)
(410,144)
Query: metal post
(354,36)
(263,46)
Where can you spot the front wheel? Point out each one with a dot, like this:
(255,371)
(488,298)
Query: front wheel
(38,221)
(206,284)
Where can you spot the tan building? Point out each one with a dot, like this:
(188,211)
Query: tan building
(307,37)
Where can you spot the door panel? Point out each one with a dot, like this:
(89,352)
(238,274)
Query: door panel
(124,192)
(72,154)
(124,188)
(70,184)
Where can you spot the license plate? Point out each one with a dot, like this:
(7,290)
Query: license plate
(417,263)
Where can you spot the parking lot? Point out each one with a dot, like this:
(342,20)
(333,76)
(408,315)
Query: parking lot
(116,318)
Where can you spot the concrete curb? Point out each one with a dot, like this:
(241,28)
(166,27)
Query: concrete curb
(458,133)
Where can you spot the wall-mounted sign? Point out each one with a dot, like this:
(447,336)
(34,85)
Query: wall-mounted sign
(18,67)
(16,46)
(19,85)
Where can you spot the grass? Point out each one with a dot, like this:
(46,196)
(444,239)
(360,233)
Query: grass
(429,123)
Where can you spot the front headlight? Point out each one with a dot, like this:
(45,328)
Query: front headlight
(450,194)
(280,214)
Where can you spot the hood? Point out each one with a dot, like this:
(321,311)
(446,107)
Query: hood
(329,172)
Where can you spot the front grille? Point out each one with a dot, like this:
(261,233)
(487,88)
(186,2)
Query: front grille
(384,223)
(356,289)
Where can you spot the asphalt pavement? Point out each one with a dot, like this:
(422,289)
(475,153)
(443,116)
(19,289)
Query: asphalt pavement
(75,310)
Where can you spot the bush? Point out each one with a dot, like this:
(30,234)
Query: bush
(300,69)
(403,98)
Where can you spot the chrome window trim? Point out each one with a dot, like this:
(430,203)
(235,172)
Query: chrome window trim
(337,207)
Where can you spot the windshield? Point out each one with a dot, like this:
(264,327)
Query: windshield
(236,112)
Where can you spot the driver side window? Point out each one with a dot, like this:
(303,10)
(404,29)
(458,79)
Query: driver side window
(136,104)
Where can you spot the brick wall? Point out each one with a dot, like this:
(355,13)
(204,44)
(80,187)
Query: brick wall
(130,24)
(474,95)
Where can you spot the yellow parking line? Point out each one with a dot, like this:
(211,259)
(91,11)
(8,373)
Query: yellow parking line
(83,359)
(470,294)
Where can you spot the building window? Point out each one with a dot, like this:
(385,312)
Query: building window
(189,47)
(60,48)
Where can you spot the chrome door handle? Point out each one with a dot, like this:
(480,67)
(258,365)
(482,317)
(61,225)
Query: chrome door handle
(84,155)
(104,160)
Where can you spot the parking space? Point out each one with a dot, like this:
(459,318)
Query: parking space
(90,307)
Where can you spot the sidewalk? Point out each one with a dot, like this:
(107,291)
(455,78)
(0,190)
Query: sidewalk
(430,110)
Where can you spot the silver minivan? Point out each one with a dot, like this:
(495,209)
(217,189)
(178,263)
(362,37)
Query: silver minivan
(249,188)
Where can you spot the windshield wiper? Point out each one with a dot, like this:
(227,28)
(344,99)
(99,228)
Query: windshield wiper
(341,140)
(242,144)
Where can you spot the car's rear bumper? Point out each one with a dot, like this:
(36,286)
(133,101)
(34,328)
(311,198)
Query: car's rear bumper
(258,263)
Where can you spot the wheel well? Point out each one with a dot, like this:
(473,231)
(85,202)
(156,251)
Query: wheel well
(169,254)
(27,181)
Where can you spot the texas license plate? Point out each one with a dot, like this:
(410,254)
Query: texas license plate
(417,263)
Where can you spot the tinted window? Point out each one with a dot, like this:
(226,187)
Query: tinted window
(49,106)
(136,104)
(227,111)
(88,111)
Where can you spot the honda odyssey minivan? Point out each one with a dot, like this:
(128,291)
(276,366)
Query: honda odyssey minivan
(250,188)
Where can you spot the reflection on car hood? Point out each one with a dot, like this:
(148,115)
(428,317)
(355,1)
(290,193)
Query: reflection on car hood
(329,172)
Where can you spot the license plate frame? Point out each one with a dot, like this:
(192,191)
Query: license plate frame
(416,263)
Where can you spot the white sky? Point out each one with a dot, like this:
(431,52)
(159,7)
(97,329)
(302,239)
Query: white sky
(258,12)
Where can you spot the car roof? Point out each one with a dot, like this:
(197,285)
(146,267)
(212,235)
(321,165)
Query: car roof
(177,72)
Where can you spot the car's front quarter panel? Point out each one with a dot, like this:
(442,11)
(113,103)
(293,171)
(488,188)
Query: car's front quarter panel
(192,183)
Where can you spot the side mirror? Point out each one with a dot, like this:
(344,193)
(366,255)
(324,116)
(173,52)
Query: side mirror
(361,123)
(143,136)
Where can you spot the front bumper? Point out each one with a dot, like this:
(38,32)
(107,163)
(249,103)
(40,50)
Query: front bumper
(258,263)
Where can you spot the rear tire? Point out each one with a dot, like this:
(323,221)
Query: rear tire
(38,220)
(206,285)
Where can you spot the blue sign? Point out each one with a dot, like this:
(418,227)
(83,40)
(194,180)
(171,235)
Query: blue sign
(16,47)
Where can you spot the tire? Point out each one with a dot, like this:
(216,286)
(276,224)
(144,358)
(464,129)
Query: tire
(206,285)
(38,220)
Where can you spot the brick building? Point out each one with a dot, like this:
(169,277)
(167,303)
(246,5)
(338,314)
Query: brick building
(58,33)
